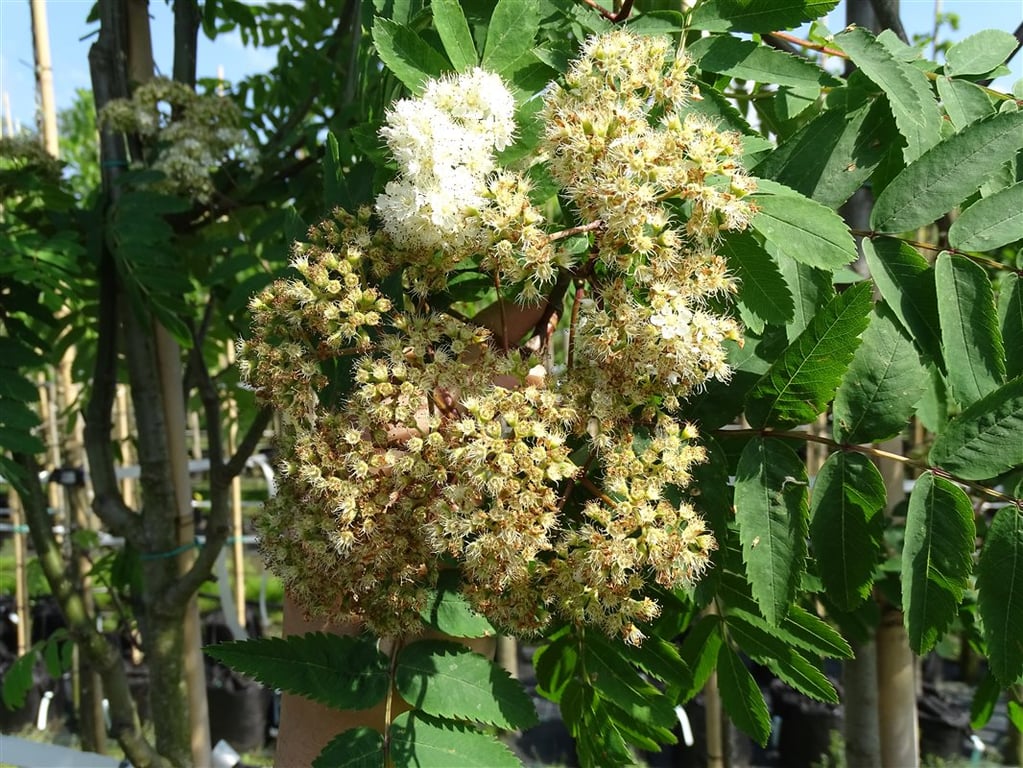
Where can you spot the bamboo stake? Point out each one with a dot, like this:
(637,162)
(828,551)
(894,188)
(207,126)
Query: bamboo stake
(48,412)
(44,77)
(237,521)
(195,428)
(122,416)
(20,575)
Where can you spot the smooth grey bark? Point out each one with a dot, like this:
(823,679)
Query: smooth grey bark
(859,688)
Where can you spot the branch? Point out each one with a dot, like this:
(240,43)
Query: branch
(554,307)
(198,338)
(808,44)
(887,12)
(108,503)
(572,231)
(186,41)
(615,17)
(248,445)
(982,260)
(124,721)
(869,450)
(218,525)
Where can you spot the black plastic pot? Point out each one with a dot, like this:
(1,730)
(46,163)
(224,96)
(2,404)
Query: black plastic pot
(238,707)
(943,725)
(806,726)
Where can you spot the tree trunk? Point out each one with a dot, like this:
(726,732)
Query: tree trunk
(860,701)
(896,675)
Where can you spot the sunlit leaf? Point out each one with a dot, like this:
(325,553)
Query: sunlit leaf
(803,380)
(970,338)
(446,679)
(909,94)
(883,384)
(343,672)
(948,173)
(991,222)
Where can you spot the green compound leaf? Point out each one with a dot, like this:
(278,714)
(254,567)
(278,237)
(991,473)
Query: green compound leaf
(970,337)
(761,285)
(909,94)
(831,157)
(800,628)
(1000,594)
(18,678)
(906,282)
(758,15)
(613,676)
(991,222)
(947,173)
(937,558)
(883,384)
(771,512)
(1010,320)
(361,747)
(847,526)
(420,741)
(406,54)
(555,665)
(342,672)
(799,385)
(812,633)
(449,612)
(985,699)
(747,60)
(453,29)
(513,27)
(800,228)
(446,679)
(986,439)
(700,649)
(979,53)
(810,287)
(964,101)
(782,659)
(741,697)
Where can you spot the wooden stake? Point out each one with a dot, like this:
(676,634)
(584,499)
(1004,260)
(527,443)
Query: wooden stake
(44,77)
(237,520)
(20,575)
(122,417)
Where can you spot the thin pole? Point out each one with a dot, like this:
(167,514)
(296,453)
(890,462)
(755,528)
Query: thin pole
(44,77)
(237,522)
(122,416)
(20,575)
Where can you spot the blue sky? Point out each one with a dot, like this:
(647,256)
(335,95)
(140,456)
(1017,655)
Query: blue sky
(70,40)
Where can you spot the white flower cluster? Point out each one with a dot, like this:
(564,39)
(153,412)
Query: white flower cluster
(191,136)
(444,143)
